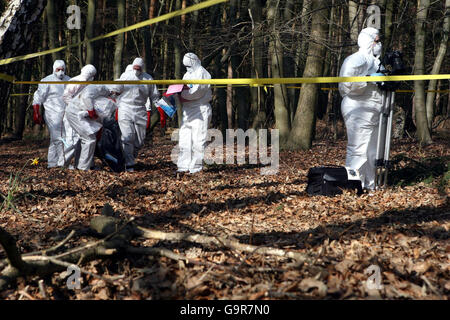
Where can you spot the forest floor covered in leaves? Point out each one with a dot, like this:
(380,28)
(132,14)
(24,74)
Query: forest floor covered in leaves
(404,230)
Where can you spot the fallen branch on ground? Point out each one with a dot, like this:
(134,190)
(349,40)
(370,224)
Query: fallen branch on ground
(116,237)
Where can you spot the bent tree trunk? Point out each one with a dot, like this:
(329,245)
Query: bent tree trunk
(303,126)
(16,29)
(437,65)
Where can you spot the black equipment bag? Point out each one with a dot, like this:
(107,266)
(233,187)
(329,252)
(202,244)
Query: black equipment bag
(330,181)
(109,146)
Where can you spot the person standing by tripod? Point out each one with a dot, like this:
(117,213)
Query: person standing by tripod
(361,106)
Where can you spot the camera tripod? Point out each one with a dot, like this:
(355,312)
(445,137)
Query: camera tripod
(382,161)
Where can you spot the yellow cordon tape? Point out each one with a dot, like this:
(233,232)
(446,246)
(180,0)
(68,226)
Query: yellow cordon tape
(6,77)
(139,25)
(398,91)
(257,82)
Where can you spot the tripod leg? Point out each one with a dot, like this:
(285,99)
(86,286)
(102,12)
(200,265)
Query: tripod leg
(380,142)
(387,148)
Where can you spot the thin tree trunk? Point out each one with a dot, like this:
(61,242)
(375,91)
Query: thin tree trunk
(177,55)
(21,106)
(230,96)
(258,114)
(388,23)
(423,131)
(304,122)
(289,62)
(353,20)
(51,18)
(118,53)
(90,33)
(282,117)
(148,43)
(430,103)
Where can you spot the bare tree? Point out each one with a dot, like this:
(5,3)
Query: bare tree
(430,103)
(118,53)
(423,132)
(16,29)
(304,122)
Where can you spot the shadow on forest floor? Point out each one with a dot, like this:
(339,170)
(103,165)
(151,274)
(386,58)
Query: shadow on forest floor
(407,171)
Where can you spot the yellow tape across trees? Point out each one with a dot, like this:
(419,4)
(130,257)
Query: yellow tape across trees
(259,81)
(139,25)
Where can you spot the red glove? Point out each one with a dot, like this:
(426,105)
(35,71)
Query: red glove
(148,119)
(92,114)
(162,117)
(117,114)
(37,118)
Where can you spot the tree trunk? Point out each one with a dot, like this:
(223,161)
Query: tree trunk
(423,132)
(437,65)
(177,55)
(51,19)
(304,122)
(21,106)
(353,19)
(388,23)
(282,117)
(258,113)
(90,33)
(15,34)
(148,40)
(289,62)
(119,39)
(229,96)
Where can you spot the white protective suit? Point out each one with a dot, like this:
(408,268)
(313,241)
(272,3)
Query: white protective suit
(196,117)
(105,102)
(361,106)
(132,115)
(51,97)
(79,100)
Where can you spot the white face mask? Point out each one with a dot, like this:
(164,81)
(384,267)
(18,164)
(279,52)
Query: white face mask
(60,74)
(377,48)
(137,73)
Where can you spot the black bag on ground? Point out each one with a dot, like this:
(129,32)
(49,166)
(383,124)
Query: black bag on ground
(330,181)
(109,146)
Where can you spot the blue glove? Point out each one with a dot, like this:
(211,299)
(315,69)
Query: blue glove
(190,85)
(377,74)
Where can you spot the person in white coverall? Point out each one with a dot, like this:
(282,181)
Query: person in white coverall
(196,116)
(77,112)
(134,112)
(361,106)
(51,97)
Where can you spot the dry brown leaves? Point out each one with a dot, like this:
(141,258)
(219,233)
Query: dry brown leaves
(404,231)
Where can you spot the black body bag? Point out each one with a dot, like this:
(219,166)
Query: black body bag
(330,181)
(109,146)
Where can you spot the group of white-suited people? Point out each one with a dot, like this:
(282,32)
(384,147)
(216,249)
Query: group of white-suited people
(74,113)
